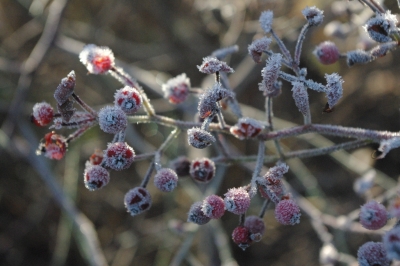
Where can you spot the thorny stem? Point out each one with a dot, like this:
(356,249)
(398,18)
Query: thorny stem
(147,176)
(84,106)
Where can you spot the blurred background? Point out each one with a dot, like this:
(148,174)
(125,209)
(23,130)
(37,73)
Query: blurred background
(154,41)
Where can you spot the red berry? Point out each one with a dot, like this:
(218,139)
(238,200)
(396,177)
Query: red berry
(202,170)
(237,200)
(97,157)
(166,179)
(287,212)
(112,119)
(176,90)
(118,156)
(137,200)
(327,53)
(54,146)
(128,99)
(213,207)
(246,128)
(98,60)
(196,215)
(256,227)
(373,215)
(42,114)
(241,236)
(96,177)
(372,253)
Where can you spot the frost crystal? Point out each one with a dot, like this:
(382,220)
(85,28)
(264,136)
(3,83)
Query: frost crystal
(313,15)
(266,18)
(334,89)
(257,47)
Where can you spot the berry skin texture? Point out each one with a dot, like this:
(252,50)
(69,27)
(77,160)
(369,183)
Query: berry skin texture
(256,227)
(196,215)
(166,180)
(391,243)
(128,99)
(199,138)
(137,200)
(42,114)
(202,170)
(373,215)
(95,177)
(98,60)
(241,236)
(372,253)
(237,200)
(118,156)
(287,212)
(246,128)
(112,119)
(176,90)
(327,53)
(213,207)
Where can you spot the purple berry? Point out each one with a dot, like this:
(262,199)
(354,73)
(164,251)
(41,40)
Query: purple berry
(327,53)
(237,200)
(95,177)
(137,200)
(166,179)
(202,170)
(287,212)
(112,119)
(373,215)
(372,253)
(196,215)
(213,206)
(118,156)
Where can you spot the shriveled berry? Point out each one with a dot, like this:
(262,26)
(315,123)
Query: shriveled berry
(196,215)
(256,227)
(181,166)
(97,157)
(372,253)
(118,156)
(202,170)
(98,60)
(213,206)
(391,243)
(42,114)
(199,138)
(128,99)
(237,200)
(166,179)
(246,128)
(54,146)
(287,212)
(176,90)
(137,200)
(95,177)
(327,53)
(373,215)
(112,119)
(241,236)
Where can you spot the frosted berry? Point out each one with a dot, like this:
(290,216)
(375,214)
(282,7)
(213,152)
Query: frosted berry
(166,179)
(271,185)
(176,90)
(373,215)
(327,53)
(42,114)
(246,128)
(137,200)
(97,157)
(54,146)
(213,206)
(287,212)
(256,227)
(181,166)
(237,200)
(128,99)
(391,243)
(394,208)
(199,138)
(372,253)
(381,26)
(118,156)
(196,215)
(202,170)
(241,236)
(95,177)
(212,65)
(98,60)
(112,119)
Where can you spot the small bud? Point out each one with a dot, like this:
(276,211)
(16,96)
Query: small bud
(313,15)
(391,243)
(199,138)
(202,170)
(246,128)
(128,99)
(98,60)
(213,207)
(257,47)
(358,57)
(176,90)
(42,114)
(112,119)
(270,74)
(65,88)
(327,53)
(266,18)
(118,156)
(373,215)
(166,179)
(237,200)
(241,236)
(287,212)
(372,253)
(300,97)
(181,166)
(212,65)
(196,215)
(95,177)
(334,90)
(137,200)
